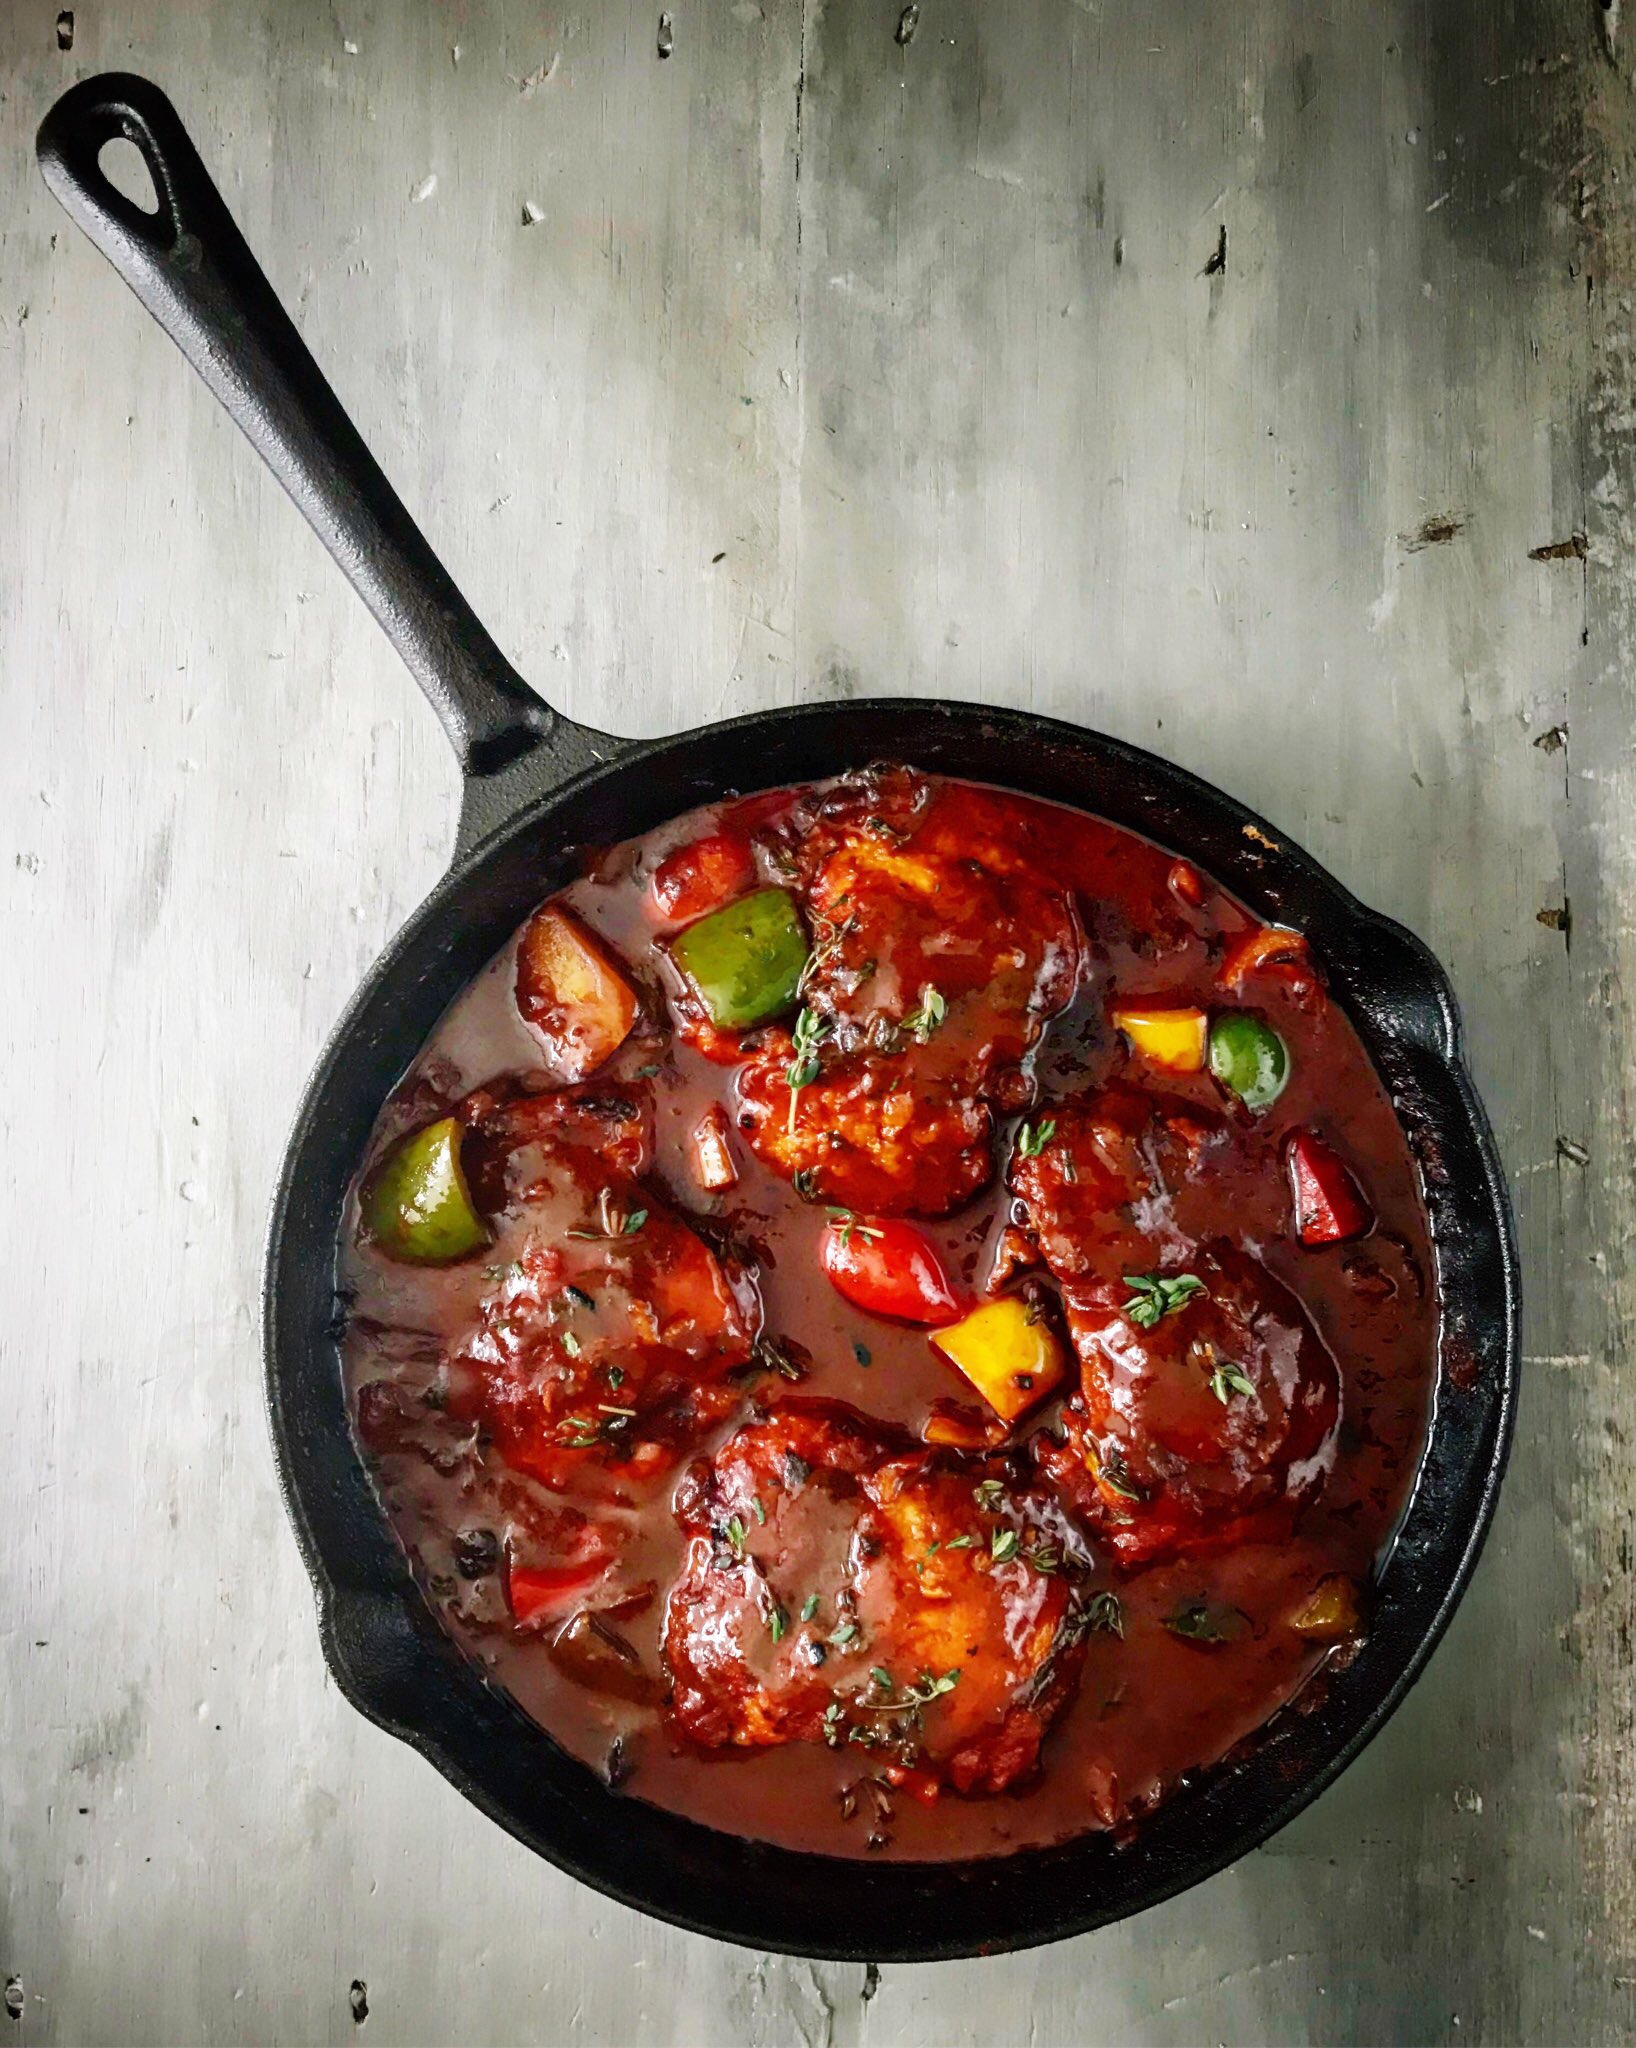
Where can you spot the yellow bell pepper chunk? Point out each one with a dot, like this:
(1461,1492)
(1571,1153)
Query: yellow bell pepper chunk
(1010,1359)
(1331,1612)
(1176,1039)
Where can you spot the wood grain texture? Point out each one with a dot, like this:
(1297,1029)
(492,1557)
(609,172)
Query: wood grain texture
(798,363)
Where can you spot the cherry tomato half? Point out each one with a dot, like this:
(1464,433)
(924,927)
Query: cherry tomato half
(699,876)
(888,1269)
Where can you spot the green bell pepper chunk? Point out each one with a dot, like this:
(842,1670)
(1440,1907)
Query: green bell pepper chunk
(1249,1057)
(419,1207)
(746,959)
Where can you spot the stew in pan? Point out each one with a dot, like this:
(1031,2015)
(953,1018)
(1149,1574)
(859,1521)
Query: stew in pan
(894,1318)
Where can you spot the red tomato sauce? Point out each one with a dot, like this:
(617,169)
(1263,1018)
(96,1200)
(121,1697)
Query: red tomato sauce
(936,1417)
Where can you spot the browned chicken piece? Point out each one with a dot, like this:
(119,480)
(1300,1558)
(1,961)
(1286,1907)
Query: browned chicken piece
(1098,1199)
(863,1134)
(1034,846)
(938,950)
(507,1125)
(841,1589)
(608,1334)
(1208,1402)
(773,1522)
(962,1588)
(936,964)
(1205,1428)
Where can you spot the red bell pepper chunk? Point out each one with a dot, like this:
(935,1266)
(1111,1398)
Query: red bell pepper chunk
(534,1590)
(918,1783)
(1267,946)
(1328,1206)
(887,1269)
(702,875)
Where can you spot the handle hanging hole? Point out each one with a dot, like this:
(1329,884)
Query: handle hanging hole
(126,169)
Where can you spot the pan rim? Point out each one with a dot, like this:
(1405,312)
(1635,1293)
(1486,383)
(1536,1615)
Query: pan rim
(1434,1047)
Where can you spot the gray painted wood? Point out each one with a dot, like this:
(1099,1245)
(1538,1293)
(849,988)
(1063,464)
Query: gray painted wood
(919,340)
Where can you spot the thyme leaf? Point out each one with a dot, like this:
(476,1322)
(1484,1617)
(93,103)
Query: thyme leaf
(767,1354)
(1157,1295)
(1197,1621)
(1104,1612)
(1032,1139)
(924,1021)
(1229,1379)
(1114,1474)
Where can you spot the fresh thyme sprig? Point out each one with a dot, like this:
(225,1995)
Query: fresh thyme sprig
(846,1222)
(1157,1295)
(810,1032)
(1229,1379)
(910,1698)
(1032,1139)
(924,1021)
(613,1221)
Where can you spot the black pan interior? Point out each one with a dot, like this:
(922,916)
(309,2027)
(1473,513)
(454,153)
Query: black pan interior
(392,1658)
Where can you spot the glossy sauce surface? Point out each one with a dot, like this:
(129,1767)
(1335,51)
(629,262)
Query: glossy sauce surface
(753,1578)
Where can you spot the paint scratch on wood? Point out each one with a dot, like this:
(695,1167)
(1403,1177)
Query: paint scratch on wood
(529,85)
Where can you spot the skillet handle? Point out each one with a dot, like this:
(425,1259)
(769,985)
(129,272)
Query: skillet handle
(193,270)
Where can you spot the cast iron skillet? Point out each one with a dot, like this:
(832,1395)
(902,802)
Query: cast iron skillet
(537,786)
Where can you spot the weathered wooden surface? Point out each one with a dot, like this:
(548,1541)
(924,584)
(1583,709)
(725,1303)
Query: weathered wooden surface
(923,341)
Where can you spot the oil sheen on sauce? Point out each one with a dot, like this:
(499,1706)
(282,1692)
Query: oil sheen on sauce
(1152,1705)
